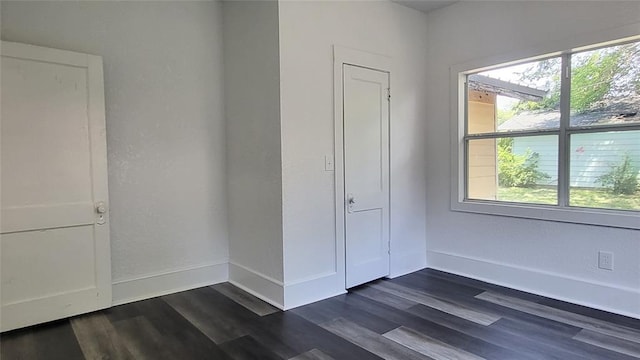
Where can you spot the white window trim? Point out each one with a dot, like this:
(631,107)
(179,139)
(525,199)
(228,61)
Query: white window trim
(600,217)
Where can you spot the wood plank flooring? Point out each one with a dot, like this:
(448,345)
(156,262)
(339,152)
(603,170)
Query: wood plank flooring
(424,315)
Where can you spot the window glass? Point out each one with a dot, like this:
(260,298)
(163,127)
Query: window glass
(482,170)
(605,86)
(604,170)
(515,169)
(514,98)
(513,133)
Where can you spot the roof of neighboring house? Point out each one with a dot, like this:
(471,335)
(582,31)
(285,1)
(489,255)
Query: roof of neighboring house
(505,88)
(610,112)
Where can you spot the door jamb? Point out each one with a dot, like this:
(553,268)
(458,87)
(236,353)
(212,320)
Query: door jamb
(346,56)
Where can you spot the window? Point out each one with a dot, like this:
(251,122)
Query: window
(558,133)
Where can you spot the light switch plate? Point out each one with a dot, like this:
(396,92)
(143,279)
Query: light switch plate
(328,163)
(605,260)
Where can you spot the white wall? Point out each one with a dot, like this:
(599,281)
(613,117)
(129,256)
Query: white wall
(166,135)
(308,30)
(165,131)
(549,258)
(254,168)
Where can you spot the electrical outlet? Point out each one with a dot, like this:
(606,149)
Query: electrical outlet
(605,260)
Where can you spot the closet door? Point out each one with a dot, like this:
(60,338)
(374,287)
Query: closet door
(366,173)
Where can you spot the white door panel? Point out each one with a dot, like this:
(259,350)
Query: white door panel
(53,273)
(368,240)
(37,217)
(57,95)
(366,173)
(55,253)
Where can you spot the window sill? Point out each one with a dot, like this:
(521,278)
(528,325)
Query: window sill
(599,217)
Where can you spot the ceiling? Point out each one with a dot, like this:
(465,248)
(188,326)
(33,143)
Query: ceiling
(424,5)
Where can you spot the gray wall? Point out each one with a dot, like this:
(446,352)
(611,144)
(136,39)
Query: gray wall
(165,130)
(308,31)
(254,166)
(546,257)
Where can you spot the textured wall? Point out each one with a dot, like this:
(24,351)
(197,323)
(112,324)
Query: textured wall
(556,259)
(252,99)
(165,122)
(308,30)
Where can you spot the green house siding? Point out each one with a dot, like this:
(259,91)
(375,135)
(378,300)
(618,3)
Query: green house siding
(592,155)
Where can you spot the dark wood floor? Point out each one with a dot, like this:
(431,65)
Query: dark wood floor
(424,315)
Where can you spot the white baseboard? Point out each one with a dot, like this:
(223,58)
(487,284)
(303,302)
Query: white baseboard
(53,307)
(403,264)
(169,282)
(619,300)
(257,284)
(311,290)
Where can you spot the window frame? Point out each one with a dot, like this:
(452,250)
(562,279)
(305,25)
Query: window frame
(561,212)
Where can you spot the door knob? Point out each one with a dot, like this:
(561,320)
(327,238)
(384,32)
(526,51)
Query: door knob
(101,208)
(351,201)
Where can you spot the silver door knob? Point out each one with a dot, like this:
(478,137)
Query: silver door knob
(101,208)
(351,201)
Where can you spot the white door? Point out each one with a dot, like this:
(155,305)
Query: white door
(366,173)
(54,243)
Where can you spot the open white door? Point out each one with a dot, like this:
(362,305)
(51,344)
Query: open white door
(55,254)
(366,173)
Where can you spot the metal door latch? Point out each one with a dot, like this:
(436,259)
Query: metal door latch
(351,201)
(101,209)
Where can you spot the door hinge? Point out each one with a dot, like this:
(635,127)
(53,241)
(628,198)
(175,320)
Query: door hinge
(388,94)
